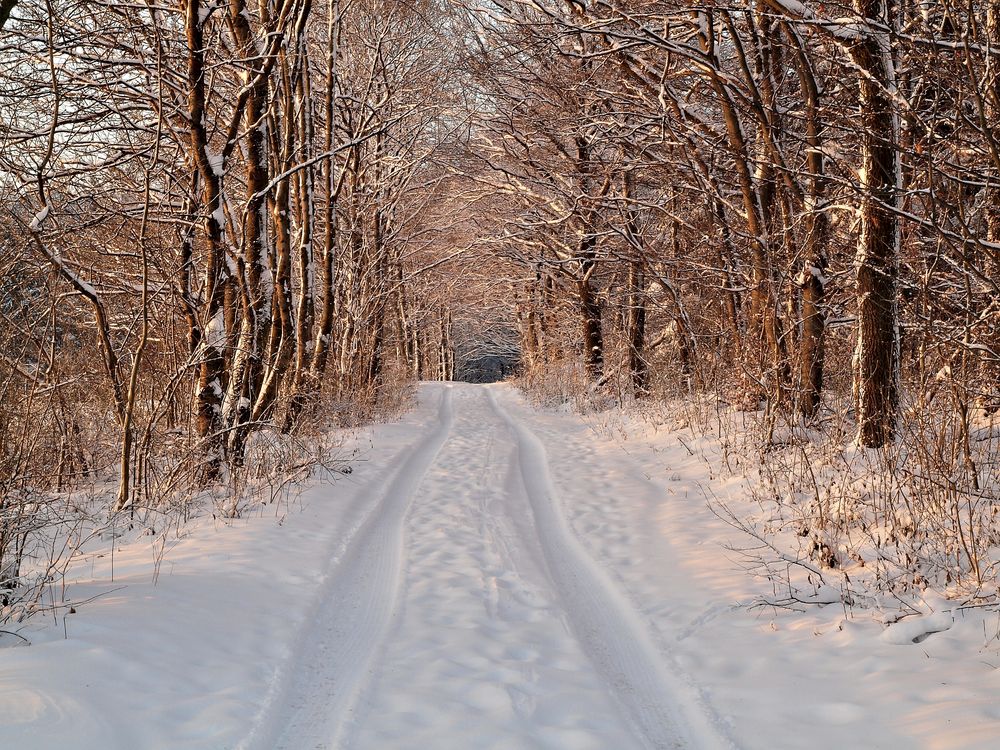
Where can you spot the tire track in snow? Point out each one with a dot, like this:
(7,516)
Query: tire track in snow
(316,694)
(479,656)
(604,620)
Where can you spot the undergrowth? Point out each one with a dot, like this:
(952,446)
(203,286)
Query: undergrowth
(823,519)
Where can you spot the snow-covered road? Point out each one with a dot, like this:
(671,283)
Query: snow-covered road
(465,613)
(490,575)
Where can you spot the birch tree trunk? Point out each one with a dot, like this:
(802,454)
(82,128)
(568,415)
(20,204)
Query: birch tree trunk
(245,375)
(211,169)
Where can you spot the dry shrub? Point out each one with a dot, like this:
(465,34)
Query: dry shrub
(917,517)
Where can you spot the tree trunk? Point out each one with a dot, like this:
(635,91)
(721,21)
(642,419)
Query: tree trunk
(590,318)
(246,366)
(305,206)
(993,125)
(812,343)
(757,193)
(590,308)
(211,369)
(326,281)
(876,360)
(635,300)
(635,327)
(529,335)
(6,6)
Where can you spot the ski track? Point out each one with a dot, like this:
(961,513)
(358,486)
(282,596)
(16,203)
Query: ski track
(465,613)
(338,647)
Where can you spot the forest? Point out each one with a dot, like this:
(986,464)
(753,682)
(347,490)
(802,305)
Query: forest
(227,226)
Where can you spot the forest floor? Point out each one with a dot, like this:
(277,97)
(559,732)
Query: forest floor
(490,575)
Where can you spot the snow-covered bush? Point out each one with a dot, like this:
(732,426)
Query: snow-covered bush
(917,516)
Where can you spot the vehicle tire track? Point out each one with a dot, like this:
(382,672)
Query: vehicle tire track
(479,655)
(317,692)
(603,619)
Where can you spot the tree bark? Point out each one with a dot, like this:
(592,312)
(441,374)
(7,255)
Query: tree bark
(992,111)
(255,300)
(812,341)
(590,308)
(590,317)
(635,328)
(876,360)
(211,368)
(757,193)
(326,280)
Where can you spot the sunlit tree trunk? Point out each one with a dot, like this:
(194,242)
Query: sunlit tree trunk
(255,301)
(876,360)
(992,112)
(812,281)
(756,208)
(325,272)
(211,169)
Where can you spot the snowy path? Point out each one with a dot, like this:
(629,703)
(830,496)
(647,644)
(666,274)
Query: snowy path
(358,604)
(491,576)
(465,613)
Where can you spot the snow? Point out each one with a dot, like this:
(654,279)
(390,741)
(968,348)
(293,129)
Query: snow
(357,608)
(74,278)
(39,219)
(491,575)
(215,331)
(216,162)
(810,270)
(917,629)
(844,29)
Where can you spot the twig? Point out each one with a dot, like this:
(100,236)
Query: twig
(17,635)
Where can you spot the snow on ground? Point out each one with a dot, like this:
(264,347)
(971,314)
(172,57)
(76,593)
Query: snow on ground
(490,576)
